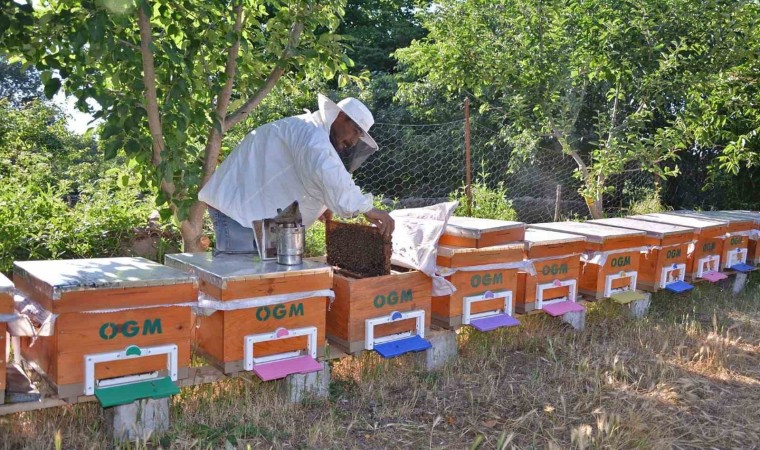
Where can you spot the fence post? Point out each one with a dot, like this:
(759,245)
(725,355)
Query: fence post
(557,202)
(467,166)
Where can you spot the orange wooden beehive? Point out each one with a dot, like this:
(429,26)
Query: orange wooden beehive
(737,241)
(612,257)
(556,258)
(708,248)
(358,300)
(477,233)
(258,315)
(753,250)
(120,321)
(476,272)
(665,260)
(6,309)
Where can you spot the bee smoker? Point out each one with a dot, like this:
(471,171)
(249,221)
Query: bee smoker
(283,237)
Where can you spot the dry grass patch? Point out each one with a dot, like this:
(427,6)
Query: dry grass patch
(687,376)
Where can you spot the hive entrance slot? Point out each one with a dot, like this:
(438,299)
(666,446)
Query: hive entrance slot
(126,389)
(399,343)
(619,283)
(551,293)
(280,365)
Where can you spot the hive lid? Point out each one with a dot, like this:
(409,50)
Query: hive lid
(60,276)
(221,269)
(6,286)
(474,228)
(593,232)
(682,220)
(727,216)
(754,215)
(535,237)
(654,229)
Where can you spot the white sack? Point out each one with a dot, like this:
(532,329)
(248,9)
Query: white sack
(415,241)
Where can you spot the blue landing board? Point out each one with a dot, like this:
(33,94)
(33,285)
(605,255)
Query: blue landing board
(494,322)
(399,347)
(741,267)
(679,287)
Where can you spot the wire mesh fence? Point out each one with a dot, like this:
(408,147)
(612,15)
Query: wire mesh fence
(419,165)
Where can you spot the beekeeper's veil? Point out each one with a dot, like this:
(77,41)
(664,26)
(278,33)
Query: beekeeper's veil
(353,108)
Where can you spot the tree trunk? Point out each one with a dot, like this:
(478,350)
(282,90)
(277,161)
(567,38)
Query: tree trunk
(595,207)
(191,229)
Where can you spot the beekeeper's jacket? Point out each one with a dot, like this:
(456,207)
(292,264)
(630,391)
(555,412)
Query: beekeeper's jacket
(277,163)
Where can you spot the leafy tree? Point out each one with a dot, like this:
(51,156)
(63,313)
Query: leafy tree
(18,85)
(376,28)
(172,79)
(36,147)
(604,82)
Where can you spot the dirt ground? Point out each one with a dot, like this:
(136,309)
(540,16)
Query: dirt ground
(686,376)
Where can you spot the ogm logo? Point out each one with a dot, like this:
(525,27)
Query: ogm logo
(621,261)
(278,312)
(675,253)
(736,240)
(554,269)
(710,246)
(487,279)
(393,298)
(130,328)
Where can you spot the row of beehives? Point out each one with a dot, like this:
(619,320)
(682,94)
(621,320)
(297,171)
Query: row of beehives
(122,328)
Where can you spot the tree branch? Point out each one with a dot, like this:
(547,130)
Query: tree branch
(214,141)
(149,79)
(242,112)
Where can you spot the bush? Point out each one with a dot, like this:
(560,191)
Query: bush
(487,202)
(37,223)
(651,203)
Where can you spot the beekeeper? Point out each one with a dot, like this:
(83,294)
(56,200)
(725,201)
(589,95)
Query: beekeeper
(308,158)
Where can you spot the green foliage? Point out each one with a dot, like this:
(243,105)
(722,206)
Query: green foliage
(58,199)
(18,85)
(376,28)
(488,202)
(36,146)
(606,83)
(37,223)
(92,50)
(315,240)
(650,203)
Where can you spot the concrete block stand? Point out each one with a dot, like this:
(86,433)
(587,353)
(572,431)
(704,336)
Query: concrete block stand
(444,349)
(315,385)
(139,421)
(640,308)
(576,319)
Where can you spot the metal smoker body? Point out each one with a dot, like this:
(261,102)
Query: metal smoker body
(283,237)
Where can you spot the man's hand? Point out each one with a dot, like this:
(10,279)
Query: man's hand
(381,219)
(326,216)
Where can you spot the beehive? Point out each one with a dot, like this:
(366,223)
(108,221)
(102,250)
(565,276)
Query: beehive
(6,309)
(401,297)
(478,233)
(753,250)
(664,262)
(612,257)
(705,260)
(556,261)
(120,322)
(485,279)
(736,244)
(245,300)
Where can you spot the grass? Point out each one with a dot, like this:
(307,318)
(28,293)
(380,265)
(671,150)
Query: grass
(687,376)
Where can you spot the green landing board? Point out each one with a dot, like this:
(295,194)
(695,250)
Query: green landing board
(128,393)
(627,297)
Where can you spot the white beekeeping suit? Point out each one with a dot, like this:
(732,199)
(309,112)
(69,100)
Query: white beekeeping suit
(292,159)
